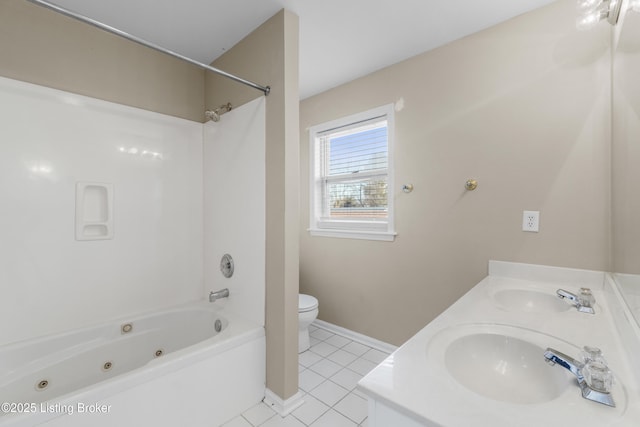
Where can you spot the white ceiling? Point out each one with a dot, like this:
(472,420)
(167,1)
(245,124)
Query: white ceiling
(340,40)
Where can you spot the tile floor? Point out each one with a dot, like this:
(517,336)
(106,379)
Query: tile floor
(329,371)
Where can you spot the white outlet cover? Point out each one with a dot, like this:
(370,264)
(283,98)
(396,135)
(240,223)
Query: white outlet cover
(531,221)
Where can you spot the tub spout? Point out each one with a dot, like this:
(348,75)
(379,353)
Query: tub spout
(223,293)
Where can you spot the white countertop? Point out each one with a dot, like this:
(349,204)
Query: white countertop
(415,381)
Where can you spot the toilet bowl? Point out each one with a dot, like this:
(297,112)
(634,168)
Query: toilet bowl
(307,313)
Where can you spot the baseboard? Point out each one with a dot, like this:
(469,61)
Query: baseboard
(355,336)
(283,407)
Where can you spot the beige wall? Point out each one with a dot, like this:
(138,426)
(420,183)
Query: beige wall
(42,47)
(522,107)
(626,147)
(269,56)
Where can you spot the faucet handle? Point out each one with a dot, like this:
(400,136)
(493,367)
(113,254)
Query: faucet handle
(586,297)
(592,354)
(595,370)
(598,376)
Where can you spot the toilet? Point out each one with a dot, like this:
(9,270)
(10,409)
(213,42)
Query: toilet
(307,313)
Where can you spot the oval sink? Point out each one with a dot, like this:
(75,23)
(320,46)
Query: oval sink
(530,301)
(504,368)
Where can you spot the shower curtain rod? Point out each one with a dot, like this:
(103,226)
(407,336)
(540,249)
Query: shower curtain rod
(82,18)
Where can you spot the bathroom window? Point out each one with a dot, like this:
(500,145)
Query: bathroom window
(351,176)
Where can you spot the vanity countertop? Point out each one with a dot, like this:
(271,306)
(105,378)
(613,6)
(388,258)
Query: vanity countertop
(515,303)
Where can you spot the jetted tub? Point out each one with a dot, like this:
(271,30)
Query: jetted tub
(190,365)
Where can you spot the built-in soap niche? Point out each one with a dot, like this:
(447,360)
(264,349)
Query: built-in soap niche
(94,211)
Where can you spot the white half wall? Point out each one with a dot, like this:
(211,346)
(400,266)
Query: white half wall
(234,207)
(49,141)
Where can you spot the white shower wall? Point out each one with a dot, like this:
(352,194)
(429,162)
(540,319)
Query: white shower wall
(234,207)
(49,141)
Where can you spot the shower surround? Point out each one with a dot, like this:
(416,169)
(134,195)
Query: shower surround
(160,182)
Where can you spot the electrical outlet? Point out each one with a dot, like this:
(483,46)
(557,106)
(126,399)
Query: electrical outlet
(531,221)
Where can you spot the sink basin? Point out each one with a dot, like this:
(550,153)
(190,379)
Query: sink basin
(504,368)
(530,301)
(501,362)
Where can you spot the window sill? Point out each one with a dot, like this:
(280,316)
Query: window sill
(386,236)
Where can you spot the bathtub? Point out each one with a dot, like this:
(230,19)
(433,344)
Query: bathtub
(192,365)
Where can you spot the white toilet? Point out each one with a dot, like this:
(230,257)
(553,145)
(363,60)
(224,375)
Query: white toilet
(307,313)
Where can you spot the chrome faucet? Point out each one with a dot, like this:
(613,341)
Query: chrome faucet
(594,377)
(223,293)
(583,302)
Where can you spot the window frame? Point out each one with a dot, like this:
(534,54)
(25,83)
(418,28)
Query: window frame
(352,229)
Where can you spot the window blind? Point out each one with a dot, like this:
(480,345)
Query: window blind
(353,171)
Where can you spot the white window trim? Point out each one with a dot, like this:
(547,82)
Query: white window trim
(368,230)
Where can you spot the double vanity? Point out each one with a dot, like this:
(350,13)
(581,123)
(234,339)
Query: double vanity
(524,347)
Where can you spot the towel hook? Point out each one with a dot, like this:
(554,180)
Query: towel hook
(471,184)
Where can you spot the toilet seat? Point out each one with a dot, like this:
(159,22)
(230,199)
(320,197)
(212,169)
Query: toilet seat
(306,303)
